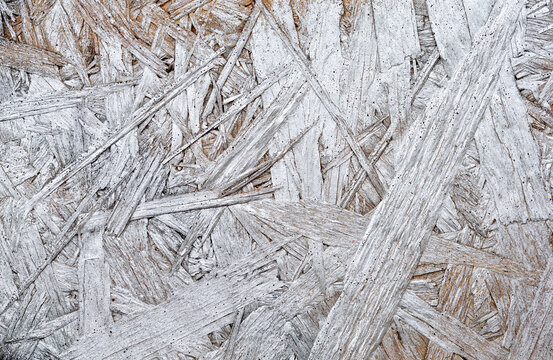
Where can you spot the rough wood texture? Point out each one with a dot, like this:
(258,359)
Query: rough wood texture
(381,269)
(275,179)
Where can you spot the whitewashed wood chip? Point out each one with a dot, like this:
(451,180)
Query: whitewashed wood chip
(30,58)
(534,337)
(336,227)
(447,331)
(21,108)
(94,287)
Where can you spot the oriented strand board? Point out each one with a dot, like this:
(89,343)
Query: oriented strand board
(276,179)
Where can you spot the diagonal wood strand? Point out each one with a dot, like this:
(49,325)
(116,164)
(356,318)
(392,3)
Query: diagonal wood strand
(393,245)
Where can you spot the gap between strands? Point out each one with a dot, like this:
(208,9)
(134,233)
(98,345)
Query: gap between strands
(138,117)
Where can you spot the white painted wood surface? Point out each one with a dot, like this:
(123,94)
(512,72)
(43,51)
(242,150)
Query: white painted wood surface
(298,180)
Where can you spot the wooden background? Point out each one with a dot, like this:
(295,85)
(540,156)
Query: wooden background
(304,179)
